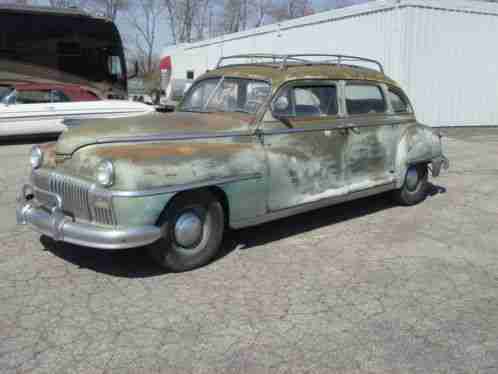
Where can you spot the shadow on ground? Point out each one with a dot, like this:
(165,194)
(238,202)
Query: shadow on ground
(135,263)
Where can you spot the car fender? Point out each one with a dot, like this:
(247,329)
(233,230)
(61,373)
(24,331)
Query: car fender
(145,170)
(417,144)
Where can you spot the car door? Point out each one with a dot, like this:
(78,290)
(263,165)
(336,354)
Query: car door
(370,155)
(304,144)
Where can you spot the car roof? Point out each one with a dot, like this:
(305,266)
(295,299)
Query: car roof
(278,75)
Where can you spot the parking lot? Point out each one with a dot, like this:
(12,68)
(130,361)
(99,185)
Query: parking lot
(362,287)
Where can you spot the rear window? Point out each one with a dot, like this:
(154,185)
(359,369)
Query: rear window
(364,99)
(398,101)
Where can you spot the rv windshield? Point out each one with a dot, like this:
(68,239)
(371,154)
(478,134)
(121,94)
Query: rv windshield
(61,47)
(226,95)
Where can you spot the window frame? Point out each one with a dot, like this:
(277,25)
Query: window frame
(365,83)
(221,79)
(307,83)
(403,96)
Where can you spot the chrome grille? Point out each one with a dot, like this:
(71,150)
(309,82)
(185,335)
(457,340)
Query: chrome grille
(77,199)
(103,215)
(74,194)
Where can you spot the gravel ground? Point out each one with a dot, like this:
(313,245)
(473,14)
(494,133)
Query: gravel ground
(362,287)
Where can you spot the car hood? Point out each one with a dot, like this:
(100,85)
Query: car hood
(152,126)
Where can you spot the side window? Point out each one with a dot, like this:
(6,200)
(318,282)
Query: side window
(309,101)
(33,97)
(59,97)
(398,101)
(364,99)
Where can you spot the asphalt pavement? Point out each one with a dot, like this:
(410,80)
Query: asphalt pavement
(362,287)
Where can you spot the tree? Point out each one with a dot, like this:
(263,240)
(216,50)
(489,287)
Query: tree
(290,9)
(66,3)
(144,17)
(261,10)
(189,19)
(110,8)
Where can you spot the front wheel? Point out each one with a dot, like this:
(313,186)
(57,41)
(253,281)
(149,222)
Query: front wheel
(415,186)
(193,227)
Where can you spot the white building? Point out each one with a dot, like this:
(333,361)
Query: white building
(444,53)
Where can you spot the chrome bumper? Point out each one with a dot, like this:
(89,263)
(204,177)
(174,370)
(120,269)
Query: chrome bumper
(52,221)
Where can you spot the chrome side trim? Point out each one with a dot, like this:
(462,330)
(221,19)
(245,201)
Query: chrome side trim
(186,186)
(104,194)
(341,124)
(166,136)
(312,206)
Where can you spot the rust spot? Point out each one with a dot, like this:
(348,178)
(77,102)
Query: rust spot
(140,152)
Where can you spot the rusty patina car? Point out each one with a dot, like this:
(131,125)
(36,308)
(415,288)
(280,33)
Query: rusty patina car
(249,143)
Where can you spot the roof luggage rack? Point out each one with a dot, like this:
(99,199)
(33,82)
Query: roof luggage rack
(286,60)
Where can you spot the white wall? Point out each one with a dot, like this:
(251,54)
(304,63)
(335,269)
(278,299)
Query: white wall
(451,67)
(442,52)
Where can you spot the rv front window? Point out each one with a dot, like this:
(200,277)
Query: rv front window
(226,95)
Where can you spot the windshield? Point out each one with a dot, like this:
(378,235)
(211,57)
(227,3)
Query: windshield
(226,95)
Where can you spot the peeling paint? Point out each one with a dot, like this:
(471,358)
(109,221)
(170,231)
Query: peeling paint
(300,162)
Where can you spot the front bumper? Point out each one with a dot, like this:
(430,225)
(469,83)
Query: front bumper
(52,221)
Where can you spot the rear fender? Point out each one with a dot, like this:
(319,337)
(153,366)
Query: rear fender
(418,144)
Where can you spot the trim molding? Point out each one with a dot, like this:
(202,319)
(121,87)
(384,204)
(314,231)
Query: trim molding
(166,136)
(313,205)
(186,186)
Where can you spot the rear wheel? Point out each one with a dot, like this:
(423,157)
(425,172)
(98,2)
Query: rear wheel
(415,186)
(193,227)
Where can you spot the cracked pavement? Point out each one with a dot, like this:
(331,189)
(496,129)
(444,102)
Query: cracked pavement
(362,287)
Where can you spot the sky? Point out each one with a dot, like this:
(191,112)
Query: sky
(164,39)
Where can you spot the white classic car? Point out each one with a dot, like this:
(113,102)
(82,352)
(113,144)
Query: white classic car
(50,117)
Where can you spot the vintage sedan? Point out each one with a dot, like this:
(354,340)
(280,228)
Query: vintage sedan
(249,143)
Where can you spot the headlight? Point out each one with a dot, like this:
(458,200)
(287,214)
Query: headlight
(105,173)
(36,157)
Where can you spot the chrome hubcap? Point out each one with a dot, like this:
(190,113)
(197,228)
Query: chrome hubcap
(412,178)
(188,230)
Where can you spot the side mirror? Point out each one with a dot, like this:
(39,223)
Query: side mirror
(280,110)
(281,104)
